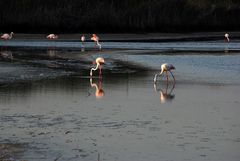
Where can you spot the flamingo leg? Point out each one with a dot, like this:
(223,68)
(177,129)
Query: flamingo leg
(167,75)
(173,76)
(100,71)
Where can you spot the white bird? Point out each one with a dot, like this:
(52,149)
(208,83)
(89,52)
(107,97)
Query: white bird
(165,68)
(99,61)
(83,38)
(7,36)
(52,36)
(227,37)
(95,38)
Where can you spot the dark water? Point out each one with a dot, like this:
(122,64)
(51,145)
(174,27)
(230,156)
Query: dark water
(52,110)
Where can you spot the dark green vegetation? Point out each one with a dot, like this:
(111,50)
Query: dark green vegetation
(119,15)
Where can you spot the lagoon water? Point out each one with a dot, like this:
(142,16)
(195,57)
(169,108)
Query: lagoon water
(51,109)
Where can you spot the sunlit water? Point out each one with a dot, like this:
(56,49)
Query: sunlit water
(54,111)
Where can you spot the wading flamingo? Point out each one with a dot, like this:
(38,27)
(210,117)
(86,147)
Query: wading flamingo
(7,36)
(83,38)
(165,68)
(52,36)
(99,61)
(6,55)
(227,37)
(95,38)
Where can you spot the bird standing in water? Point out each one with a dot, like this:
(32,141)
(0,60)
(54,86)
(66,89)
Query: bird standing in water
(83,40)
(227,37)
(95,38)
(165,68)
(7,36)
(99,61)
(52,36)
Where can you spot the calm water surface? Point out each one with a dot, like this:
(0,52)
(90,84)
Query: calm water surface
(58,112)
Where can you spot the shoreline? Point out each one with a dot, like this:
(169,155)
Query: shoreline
(138,37)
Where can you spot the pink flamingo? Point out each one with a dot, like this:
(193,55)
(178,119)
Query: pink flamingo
(227,37)
(52,36)
(95,38)
(99,61)
(165,68)
(7,36)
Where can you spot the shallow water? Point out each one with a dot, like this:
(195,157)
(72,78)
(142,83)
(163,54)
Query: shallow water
(52,110)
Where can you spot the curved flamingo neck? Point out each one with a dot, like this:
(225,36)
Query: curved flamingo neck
(11,34)
(94,69)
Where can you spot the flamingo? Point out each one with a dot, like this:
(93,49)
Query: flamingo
(83,38)
(165,68)
(52,36)
(99,61)
(227,37)
(7,36)
(95,38)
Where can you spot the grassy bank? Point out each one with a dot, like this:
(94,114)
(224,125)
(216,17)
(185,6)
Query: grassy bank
(119,16)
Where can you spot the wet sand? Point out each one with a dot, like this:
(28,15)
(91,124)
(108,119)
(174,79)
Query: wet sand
(51,109)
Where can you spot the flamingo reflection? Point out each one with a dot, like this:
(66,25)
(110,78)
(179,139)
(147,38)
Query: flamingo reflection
(99,93)
(6,55)
(51,53)
(166,94)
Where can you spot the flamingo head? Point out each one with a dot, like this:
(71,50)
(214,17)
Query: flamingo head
(172,67)
(226,35)
(100,60)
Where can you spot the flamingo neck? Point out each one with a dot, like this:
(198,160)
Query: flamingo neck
(94,69)
(161,72)
(99,44)
(11,34)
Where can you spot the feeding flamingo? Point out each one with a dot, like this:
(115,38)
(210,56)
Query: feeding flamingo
(227,37)
(165,68)
(52,36)
(7,36)
(95,38)
(99,61)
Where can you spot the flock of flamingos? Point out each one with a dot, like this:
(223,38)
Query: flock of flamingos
(99,61)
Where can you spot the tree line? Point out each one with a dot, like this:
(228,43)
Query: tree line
(71,16)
